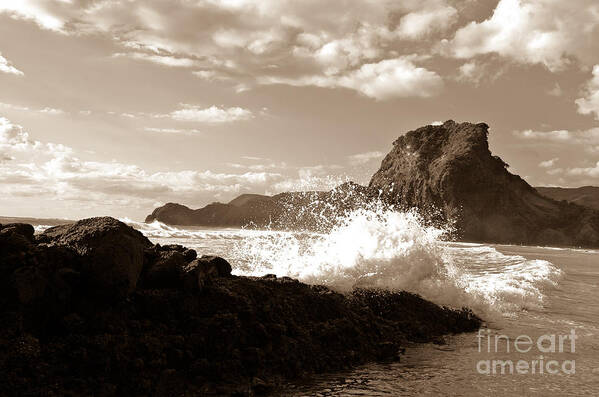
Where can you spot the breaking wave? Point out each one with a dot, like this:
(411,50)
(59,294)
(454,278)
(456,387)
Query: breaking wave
(381,248)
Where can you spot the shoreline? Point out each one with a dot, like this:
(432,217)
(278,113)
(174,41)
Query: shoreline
(96,308)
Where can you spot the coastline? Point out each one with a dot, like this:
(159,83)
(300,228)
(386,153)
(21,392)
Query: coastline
(168,323)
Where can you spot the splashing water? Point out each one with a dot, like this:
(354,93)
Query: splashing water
(382,248)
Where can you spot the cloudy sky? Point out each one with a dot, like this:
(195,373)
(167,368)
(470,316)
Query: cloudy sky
(117,106)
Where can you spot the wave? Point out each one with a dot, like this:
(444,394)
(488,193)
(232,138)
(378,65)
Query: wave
(393,250)
(382,248)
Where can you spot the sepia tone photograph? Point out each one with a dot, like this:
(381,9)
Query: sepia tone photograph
(299,198)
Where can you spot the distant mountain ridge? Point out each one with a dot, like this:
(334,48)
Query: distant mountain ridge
(587,196)
(445,171)
(303,210)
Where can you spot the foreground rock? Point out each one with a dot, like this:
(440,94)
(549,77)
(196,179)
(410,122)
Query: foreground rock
(180,325)
(448,173)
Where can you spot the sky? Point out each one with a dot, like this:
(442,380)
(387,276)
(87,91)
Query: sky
(114,107)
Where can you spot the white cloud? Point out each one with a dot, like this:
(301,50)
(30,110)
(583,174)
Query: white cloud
(587,140)
(45,110)
(166,60)
(592,172)
(393,78)
(548,32)
(417,24)
(212,114)
(29,167)
(363,158)
(548,163)
(172,130)
(471,72)
(244,43)
(37,11)
(387,79)
(590,102)
(6,67)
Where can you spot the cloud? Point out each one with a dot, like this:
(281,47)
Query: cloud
(30,167)
(165,60)
(548,163)
(590,102)
(213,114)
(387,79)
(471,72)
(546,32)
(579,137)
(38,11)
(246,43)
(50,171)
(45,110)
(363,158)
(6,67)
(592,172)
(172,130)
(420,23)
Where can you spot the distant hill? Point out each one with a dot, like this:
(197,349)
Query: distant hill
(587,196)
(34,221)
(296,210)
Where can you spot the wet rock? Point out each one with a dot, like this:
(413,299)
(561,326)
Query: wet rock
(29,284)
(214,334)
(200,272)
(113,253)
(166,271)
(22,229)
(190,254)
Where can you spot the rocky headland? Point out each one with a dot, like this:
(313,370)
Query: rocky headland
(448,174)
(95,308)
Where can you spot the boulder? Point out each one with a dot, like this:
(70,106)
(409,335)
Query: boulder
(201,271)
(166,271)
(112,253)
(22,229)
(190,254)
(29,284)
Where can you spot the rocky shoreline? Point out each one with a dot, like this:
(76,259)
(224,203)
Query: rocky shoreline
(94,308)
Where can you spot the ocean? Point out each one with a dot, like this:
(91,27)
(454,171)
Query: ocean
(540,304)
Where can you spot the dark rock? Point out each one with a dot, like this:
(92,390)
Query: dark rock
(260,387)
(201,271)
(23,229)
(166,271)
(173,247)
(113,253)
(29,284)
(449,174)
(190,254)
(218,334)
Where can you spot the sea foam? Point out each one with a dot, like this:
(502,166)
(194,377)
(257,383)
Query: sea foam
(382,248)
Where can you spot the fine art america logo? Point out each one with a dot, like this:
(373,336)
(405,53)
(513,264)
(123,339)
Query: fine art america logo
(543,349)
